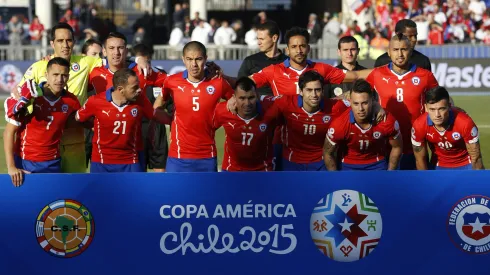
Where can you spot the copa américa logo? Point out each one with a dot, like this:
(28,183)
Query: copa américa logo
(346,225)
(65,228)
(468,224)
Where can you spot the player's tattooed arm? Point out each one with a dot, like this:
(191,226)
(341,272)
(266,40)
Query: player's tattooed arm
(475,155)
(396,152)
(329,151)
(420,153)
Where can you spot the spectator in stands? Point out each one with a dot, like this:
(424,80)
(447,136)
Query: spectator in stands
(478,8)
(147,23)
(397,14)
(333,26)
(260,18)
(214,26)
(435,35)
(382,13)
(178,16)
(201,33)
(369,32)
(3,32)
(196,20)
(139,36)
(314,28)
(73,22)
(176,36)
(36,31)
(15,30)
(188,27)
(251,38)
(237,26)
(454,31)
(440,17)
(379,42)
(224,35)
(185,8)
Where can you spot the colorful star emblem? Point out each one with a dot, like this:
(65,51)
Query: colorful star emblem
(346,225)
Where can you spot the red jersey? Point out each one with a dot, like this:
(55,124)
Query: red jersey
(448,147)
(100,79)
(362,146)
(116,128)
(283,79)
(192,135)
(248,143)
(402,95)
(39,135)
(304,133)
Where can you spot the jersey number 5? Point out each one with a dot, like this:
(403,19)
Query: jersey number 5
(195,103)
(117,125)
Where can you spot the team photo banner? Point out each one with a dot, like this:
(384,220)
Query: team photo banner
(247,223)
(457,75)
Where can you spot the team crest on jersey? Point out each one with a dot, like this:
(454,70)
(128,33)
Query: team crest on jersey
(65,228)
(456,136)
(397,127)
(415,80)
(263,127)
(210,89)
(346,225)
(376,135)
(468,224)
(474,132)
(134,112)
(346,103)
(326,119)
(64,108)
(75,67)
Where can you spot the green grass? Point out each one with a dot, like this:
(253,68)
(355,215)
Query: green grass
(477,106)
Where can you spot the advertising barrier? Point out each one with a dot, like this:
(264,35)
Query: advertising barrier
(247,223)
(458,75)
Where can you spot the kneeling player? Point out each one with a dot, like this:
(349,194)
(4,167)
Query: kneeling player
(451,134)
(249,133)
(37,148)
(361,140)
(118,114)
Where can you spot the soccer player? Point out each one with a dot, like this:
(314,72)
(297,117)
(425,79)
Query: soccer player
(268,39)
(249,133)
(192,147)
(62,41)
(401,87)
(37,148)
(307,116)
(348,50)
(408,28)
(117,117)
(451,134)
(92,47)
(360,140)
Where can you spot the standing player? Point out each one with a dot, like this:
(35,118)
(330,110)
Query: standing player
(401,88)
(451,134)
(62,41)
(37,148)
(362,141)
(248,144)
(118,113)
(307,118)
(192,147)
(92,47)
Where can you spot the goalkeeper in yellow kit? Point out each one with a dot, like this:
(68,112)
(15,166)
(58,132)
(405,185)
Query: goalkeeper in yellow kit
(72,143)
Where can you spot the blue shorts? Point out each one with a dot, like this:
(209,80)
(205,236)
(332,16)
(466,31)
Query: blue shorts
(379,165)
(192,165)
(407,162)
(142,160)
(277,160)
(314,166)
(51,166)
(97,167)
(464,167)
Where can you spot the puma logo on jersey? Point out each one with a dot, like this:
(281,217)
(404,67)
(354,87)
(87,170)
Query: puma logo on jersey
(286,75)
(39,106)
(181,88)
(431,135)
(295,115)
(386,79)
(106,112)
(104,76)
(232,125)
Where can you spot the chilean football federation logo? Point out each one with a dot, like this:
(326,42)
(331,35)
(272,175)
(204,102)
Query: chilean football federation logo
(456,136)
(469,224)
(263,127)
(64,108)
(346,225)
(210,89)
(75,67)
(326,119)
(65,228)
(416,80)
(134,112)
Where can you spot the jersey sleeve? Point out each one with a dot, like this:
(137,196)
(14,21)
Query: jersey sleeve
(75,103)
(418,131)
(218,114)
(262,77)
(333,75)
(226,90)
(146,106)
(336,132)
(431,81)
(166,91)
(370,78)
(339,107)
(87,111)
(392,127)
(470,133)
(35,72)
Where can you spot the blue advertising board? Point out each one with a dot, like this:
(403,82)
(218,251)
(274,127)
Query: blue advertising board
(247,223)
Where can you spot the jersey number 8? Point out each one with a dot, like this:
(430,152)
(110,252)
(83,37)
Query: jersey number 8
(399,94)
